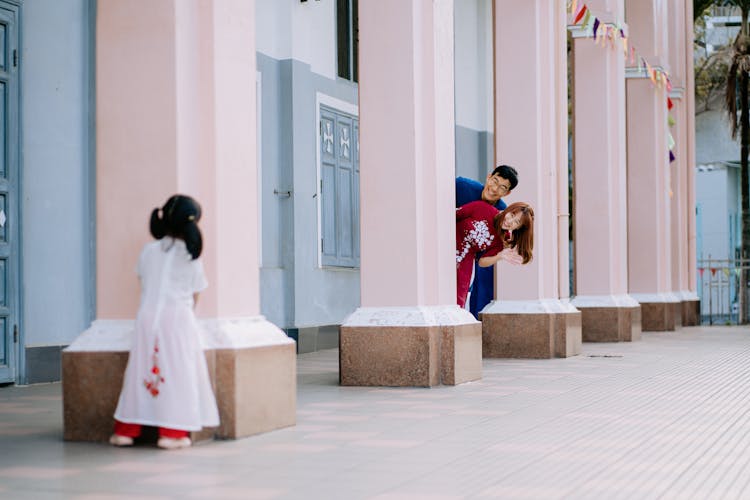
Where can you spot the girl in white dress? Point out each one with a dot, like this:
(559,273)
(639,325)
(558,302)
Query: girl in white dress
(166,383)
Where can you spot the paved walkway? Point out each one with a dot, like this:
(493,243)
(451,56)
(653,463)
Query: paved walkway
(665,417)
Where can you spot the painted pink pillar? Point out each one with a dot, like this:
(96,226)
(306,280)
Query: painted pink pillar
(682,169)
(528,317)
(649,210)
(408,330)
(600,213)
(176,114)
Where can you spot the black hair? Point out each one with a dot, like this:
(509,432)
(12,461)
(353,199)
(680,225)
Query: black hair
(508,173)
(179,218)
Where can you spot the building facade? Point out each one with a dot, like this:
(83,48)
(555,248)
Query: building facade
(324,153)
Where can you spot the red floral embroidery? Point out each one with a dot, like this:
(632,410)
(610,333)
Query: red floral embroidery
(156,379)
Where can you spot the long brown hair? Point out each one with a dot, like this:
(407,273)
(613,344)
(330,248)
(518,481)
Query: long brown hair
(522,239)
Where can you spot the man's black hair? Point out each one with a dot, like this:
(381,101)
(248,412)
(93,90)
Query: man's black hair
(509,173)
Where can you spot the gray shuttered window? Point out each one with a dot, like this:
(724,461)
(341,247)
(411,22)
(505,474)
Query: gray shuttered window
(339,188)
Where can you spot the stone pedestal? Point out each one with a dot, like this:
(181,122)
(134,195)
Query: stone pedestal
(410,346)
(658,311)
(691,312)
(530,329)
(609,318)
(252,366)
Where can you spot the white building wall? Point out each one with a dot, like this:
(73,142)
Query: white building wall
(717,199)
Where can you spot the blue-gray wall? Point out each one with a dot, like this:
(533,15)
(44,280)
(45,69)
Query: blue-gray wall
(295,291)
(474,153)
(56,181)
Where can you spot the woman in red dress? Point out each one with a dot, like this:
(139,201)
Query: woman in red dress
(485,232)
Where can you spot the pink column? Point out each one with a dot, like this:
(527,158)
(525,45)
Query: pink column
(529,319)
(408,318)
(176,114)
(600,211)
(649,214)
(682,170)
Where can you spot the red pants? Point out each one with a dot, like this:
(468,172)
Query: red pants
(134,430)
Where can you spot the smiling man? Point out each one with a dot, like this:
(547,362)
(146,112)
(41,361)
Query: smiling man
(500,182)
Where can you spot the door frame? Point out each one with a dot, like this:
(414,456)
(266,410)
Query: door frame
(13,153)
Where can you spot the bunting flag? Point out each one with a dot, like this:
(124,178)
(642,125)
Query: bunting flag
(700,270)
(713,271)
(601,33)
(586,19)
(726,272)
(670,141)
(580,14)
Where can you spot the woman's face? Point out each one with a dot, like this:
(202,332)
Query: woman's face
(512,221)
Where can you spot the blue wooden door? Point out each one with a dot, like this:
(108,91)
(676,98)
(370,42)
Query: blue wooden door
(339,172)
(8,191)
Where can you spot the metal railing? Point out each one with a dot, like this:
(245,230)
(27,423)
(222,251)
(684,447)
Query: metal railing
(719,291)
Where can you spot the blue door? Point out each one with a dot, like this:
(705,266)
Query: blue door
(8,191)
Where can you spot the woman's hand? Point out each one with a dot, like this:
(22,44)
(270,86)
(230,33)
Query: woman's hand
(510,255)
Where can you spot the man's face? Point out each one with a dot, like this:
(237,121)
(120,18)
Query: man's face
(495,188)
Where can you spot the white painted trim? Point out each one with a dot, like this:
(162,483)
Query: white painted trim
(344,107)
(651,298)
(623,300)
(410,316)
(541,306)
(106,335)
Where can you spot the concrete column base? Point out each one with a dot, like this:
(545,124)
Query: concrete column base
(689,309)
(658,311)
(609,318)
(410,347)
(252,365)
(691,312)
(531,329)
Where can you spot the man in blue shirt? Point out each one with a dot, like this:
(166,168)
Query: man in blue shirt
(500,182)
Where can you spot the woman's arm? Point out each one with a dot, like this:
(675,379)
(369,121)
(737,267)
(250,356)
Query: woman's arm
(508,255)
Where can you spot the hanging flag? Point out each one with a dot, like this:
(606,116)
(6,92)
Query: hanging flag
(596,27)
(700,270)
(726,272)
(632,55)
(713,271)
(586,19)
(670,104)
(670,141)
(624,43)
(671,157)
(580,14)
(670,121)
(573,6)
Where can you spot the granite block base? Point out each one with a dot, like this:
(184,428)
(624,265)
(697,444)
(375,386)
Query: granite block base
(251,363)
(256,389)
(410,347)
(91,388)
(611,324)
(659,316)
(690,310)
(544,332)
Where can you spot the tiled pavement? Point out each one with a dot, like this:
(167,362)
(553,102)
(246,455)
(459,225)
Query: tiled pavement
(664,417)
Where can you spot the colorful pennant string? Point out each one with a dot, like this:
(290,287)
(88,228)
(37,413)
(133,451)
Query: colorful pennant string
(602,32)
